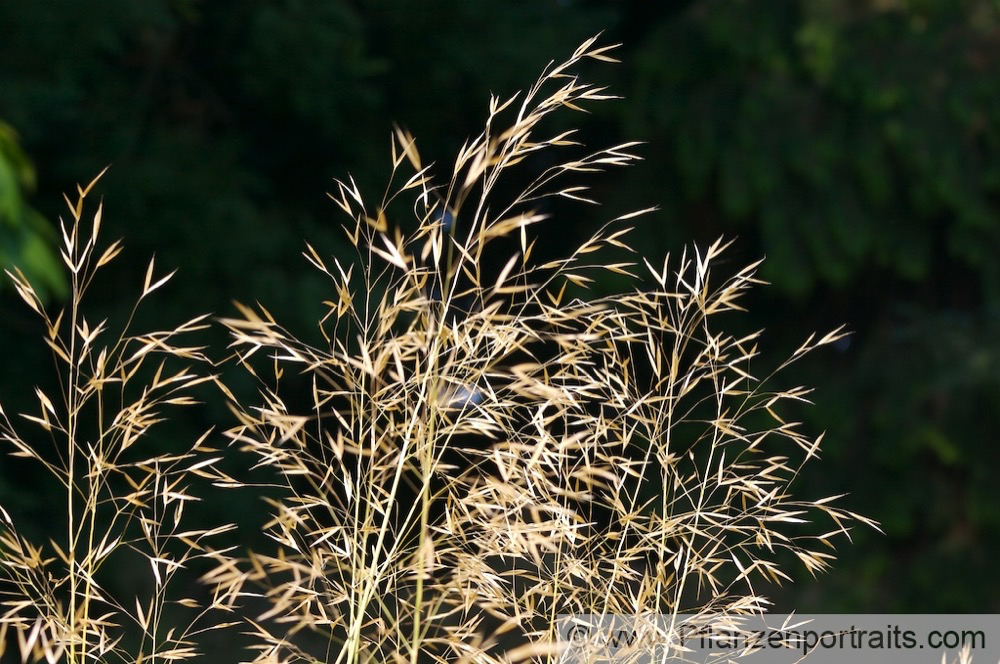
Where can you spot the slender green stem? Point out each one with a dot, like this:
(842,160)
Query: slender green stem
(76,654)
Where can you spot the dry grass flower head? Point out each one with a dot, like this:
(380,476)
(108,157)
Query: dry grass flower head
(487,445)
(124,497)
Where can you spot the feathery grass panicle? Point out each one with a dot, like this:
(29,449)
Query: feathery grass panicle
(485,451)
(487,445)
(124,502)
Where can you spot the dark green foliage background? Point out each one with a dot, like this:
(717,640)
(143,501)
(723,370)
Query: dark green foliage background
(854,144)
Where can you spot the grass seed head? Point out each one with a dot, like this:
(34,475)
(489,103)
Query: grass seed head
(485,450)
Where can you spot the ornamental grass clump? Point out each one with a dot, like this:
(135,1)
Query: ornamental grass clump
(123,496)
(485,446)
(474,445)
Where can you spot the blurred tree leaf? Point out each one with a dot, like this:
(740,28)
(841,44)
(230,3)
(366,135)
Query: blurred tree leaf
(27,240)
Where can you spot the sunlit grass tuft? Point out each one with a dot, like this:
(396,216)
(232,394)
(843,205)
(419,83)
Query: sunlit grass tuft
(486,446)
(123,500)
(479,444)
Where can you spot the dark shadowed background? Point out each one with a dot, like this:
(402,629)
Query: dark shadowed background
(855,144)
